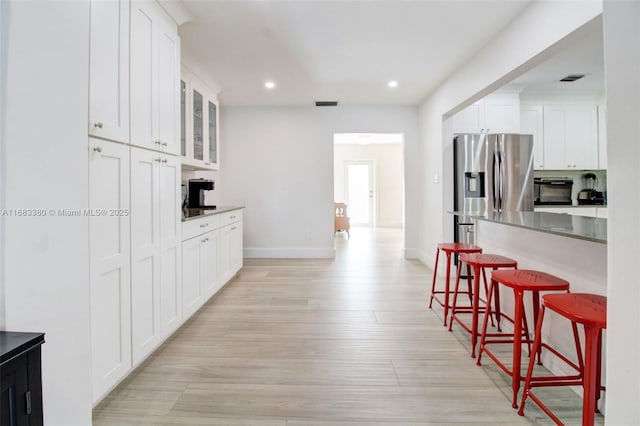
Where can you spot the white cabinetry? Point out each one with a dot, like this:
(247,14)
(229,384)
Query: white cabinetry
(199,119)
(109,257)
(570,137)
(211,256)
(497,113)
(602,137)
(201,278)
(109,70)
(155,70)
(532,123)
(155,255)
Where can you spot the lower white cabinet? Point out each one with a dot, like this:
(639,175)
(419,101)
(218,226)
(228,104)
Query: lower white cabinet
(155,253)
(109,264)
(210,257)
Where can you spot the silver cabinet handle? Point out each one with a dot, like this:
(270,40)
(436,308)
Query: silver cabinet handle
(204,225)
(164,161)
(233,228)
(157,160)
(157,142)
(164,143)
(205,240)
(98,125)
(97,149)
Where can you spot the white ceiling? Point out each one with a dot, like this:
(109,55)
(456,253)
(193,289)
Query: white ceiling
(368,138)
(338,50)
(585,56)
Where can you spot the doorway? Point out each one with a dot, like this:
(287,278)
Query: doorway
(360,193)
(369,178)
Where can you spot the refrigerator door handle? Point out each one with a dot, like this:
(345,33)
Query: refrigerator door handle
(501,180)
(495,182)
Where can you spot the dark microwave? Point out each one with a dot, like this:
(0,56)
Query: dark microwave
(552,191)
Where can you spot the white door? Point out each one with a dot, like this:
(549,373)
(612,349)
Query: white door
(191,296)
(209,279)
(109,70)
(170,219)
(145,252)
(224,254)
(109,264)
(168,88)
(360,192)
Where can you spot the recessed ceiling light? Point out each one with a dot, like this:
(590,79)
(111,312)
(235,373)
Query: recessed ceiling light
(270,85)
(393,83)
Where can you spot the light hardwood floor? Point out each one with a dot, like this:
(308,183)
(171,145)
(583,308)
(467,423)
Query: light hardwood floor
(346,342)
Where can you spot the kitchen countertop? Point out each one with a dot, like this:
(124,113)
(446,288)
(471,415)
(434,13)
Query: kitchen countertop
(581,227)
(580,206)
(190,214)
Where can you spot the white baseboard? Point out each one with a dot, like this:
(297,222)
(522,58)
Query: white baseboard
(289,253)
(410,253)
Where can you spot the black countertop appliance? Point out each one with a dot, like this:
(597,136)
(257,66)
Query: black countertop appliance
(196,191)
(589,196)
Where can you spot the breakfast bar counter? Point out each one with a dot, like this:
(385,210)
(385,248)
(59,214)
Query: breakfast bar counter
(581,227)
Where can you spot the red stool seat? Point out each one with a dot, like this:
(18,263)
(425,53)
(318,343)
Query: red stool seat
(448,249)
(590,311)
(520,281)
(479,262)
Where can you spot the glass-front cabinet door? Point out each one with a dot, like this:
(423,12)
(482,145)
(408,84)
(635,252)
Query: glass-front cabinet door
(213,134)
(183,118)
(199,119)
(198,125)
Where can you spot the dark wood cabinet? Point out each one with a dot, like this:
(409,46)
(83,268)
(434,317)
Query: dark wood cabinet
(20,379)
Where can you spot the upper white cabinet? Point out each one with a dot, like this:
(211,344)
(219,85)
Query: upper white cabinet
(570,137)
(199,117)
(497,113)
(602,137)
(155,78)
(109,261)
(109,70)
(532,123)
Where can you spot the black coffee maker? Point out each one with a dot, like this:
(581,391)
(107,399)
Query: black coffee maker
(195,194)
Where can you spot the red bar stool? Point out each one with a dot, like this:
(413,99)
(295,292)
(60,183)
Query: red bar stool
(479,262)
(448,249)
(520,281)
(590,310)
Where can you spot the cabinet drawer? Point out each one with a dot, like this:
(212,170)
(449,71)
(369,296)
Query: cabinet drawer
(195,227)
(228,218)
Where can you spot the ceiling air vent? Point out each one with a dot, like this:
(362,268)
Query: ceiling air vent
(572,77)
(326,103)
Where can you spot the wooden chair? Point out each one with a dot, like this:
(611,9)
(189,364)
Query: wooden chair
(341,219)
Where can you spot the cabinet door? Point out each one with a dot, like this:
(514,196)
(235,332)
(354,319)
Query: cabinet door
(191,296)
(555,133)
(212,134)
(470,119)
(109,257)
(144,93)
(183,117)
(224,254)
(170,217)
(531,123)
(502,113)
(145,252)
(582,137)
(235,248)
(209,279)
(109,70)
(199,120)
(168,70)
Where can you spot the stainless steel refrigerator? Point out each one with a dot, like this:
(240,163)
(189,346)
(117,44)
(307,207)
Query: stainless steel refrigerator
(492,173)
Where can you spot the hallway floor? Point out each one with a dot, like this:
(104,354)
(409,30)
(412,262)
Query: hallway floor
(346,341)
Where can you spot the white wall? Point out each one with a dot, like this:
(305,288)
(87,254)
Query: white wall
(388,179)
(278,162)
(46,273)
(4,39)
(519,47)
(622,78)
